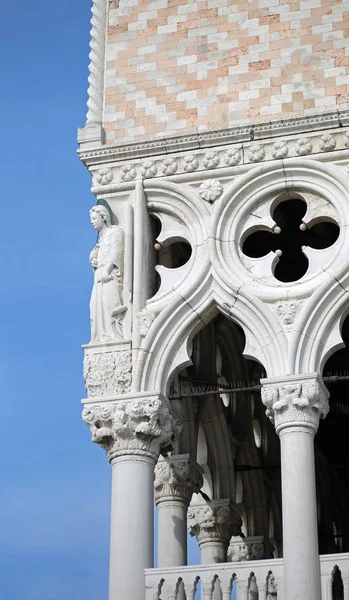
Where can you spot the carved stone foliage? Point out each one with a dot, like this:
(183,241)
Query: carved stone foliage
(295,401)
(108,373)
(142,426)
(215,520)
(286,310)
(177,477)
(241,549)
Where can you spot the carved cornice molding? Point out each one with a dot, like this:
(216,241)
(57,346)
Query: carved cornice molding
(214,521)
(143,426)
(295,401)
(177,476)
(251,144)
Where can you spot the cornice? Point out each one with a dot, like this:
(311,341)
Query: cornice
(207,139)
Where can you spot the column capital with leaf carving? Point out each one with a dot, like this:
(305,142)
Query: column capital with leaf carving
(214,521)
(140,424)
(295,400)
(177,477)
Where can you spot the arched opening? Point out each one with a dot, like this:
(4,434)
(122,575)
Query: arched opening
(331,454)
(223,413)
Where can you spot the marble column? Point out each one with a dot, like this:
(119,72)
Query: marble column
(213,524)
(132,431)
(295,404)
(176,479)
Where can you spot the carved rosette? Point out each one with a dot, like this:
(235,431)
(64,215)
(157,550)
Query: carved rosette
(177,477)
(298,400)
(214,521)
(108,373)
(142,426)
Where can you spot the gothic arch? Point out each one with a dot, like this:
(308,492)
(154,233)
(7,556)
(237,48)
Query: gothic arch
(167,350)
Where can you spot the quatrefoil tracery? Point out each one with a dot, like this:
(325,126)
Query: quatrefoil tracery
(289,239)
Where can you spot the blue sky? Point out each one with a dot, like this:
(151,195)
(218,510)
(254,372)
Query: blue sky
(55,484)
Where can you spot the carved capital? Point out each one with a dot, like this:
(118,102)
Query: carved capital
(177,477)
(142,426)
(248,548)
(213,521)
(297,400)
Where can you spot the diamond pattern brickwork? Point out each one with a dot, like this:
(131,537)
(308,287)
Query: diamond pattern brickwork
(180,66)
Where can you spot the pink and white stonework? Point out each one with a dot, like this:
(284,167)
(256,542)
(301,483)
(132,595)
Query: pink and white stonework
(217,139)
(177,66)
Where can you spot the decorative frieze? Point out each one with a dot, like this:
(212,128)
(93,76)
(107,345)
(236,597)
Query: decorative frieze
(217,520)
(107,373)
(242,154)
(177,476)
(142,426)
(295,400)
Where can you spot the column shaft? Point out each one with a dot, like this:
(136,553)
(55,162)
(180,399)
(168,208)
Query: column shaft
(299,514)
(131,540)
(172,533)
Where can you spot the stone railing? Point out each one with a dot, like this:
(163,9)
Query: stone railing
(250,580)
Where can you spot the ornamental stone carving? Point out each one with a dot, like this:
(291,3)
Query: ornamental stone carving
(106,259)
(149,169)
(303,146)
(128,173)
(169,166)
(210,190)
(108,373)
(232,157)
(286,310)
(211,160)
(142,426)
(327,142)
(216,520)
(246,548)
(145,321)
(177,477)
(104,176)
(191,163)
(280,149)
(346,139)
(301,400)
(256,153)
(96,66)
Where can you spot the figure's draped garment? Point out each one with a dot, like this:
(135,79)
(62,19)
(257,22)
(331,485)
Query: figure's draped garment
(106,299)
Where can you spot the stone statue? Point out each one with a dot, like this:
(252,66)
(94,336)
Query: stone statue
(106,258)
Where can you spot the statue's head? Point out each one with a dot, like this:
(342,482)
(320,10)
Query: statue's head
(100,217)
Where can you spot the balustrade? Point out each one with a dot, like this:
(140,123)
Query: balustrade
(249,580)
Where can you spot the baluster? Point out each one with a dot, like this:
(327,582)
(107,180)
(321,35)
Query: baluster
(243,592)
(190,587)
(345,579)
(262,591)
(329,589)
